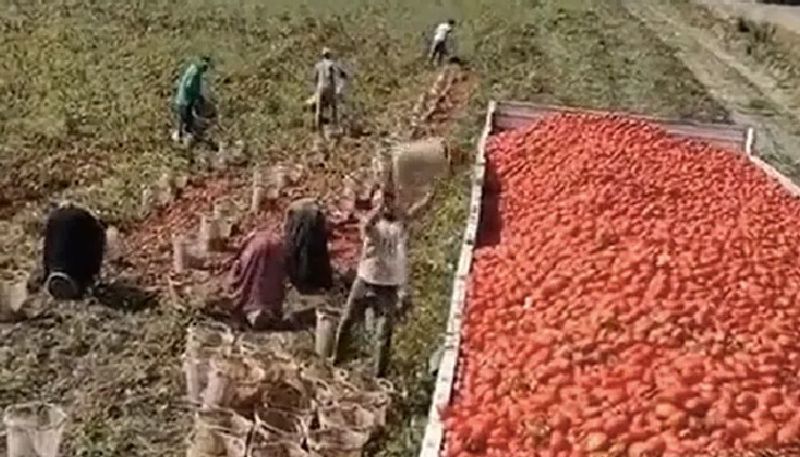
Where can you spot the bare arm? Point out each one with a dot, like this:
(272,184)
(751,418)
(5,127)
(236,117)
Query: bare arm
(369,223)
(416,207)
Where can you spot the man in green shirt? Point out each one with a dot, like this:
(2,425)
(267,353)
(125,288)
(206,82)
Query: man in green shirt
(189,95)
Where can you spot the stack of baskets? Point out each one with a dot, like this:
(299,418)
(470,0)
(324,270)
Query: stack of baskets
(256,400)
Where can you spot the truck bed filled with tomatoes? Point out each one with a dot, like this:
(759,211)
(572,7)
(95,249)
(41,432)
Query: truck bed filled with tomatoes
(632,293)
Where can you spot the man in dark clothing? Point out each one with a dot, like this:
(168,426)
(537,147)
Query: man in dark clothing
(308,259)
(74,244)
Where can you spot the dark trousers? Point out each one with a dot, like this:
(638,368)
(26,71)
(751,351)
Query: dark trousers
(439,52)
(185,118)
(326,100)
(378,305)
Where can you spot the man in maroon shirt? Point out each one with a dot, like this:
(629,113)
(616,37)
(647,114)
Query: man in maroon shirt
(258,277)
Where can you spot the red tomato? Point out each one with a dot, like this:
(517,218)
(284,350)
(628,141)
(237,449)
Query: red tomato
(640,293)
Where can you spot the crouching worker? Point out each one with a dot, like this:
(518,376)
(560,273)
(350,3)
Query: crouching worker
(267,260)
(74,244)
(257,280)
(380,279)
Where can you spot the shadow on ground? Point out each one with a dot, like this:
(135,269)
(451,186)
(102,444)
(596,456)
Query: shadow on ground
(124,295)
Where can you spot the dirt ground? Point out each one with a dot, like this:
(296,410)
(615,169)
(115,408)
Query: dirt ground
(751,94)
(746,55)
(115,364)
(784,15)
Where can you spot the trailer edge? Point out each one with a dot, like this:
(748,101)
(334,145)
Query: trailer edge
(433,440)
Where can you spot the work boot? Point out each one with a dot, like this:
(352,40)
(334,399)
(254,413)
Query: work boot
(62,287)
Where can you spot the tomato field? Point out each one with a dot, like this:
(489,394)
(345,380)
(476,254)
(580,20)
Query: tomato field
(85,90)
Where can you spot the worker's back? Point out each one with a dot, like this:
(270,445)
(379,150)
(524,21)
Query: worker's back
(327,71)
(73,246)
(384,253)
(189,85)
(258,274)
(306,235)
(442,32)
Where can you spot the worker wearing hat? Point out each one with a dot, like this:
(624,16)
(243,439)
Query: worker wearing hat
(189,96)
(328,77)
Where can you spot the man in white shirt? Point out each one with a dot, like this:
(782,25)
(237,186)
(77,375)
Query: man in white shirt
(439,49)
(329,78)
(381,277)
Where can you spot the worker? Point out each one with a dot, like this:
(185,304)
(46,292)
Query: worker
(380,278)
(308,259)
(267,259)
(440,45)
(257,280)
(74,243)
(329,78)
(189,97)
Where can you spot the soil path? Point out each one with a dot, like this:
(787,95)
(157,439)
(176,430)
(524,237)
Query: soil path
(751,95)
(783,15)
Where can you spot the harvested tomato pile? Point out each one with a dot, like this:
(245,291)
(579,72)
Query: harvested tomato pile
(150,245)
(640,299)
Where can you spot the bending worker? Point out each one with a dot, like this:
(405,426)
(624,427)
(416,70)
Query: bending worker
(267,260)
(439,46)
(189,96)
(74,244)
(329,79)
(380,279)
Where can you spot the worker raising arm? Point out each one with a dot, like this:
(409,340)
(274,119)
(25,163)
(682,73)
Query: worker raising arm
(381,276)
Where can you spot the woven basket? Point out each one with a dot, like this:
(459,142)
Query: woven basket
(276,449)
(416,165)
(290,397)
(234,381)
(278,424)
(347,415)
(34,429)
(336,442)
(219,431)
